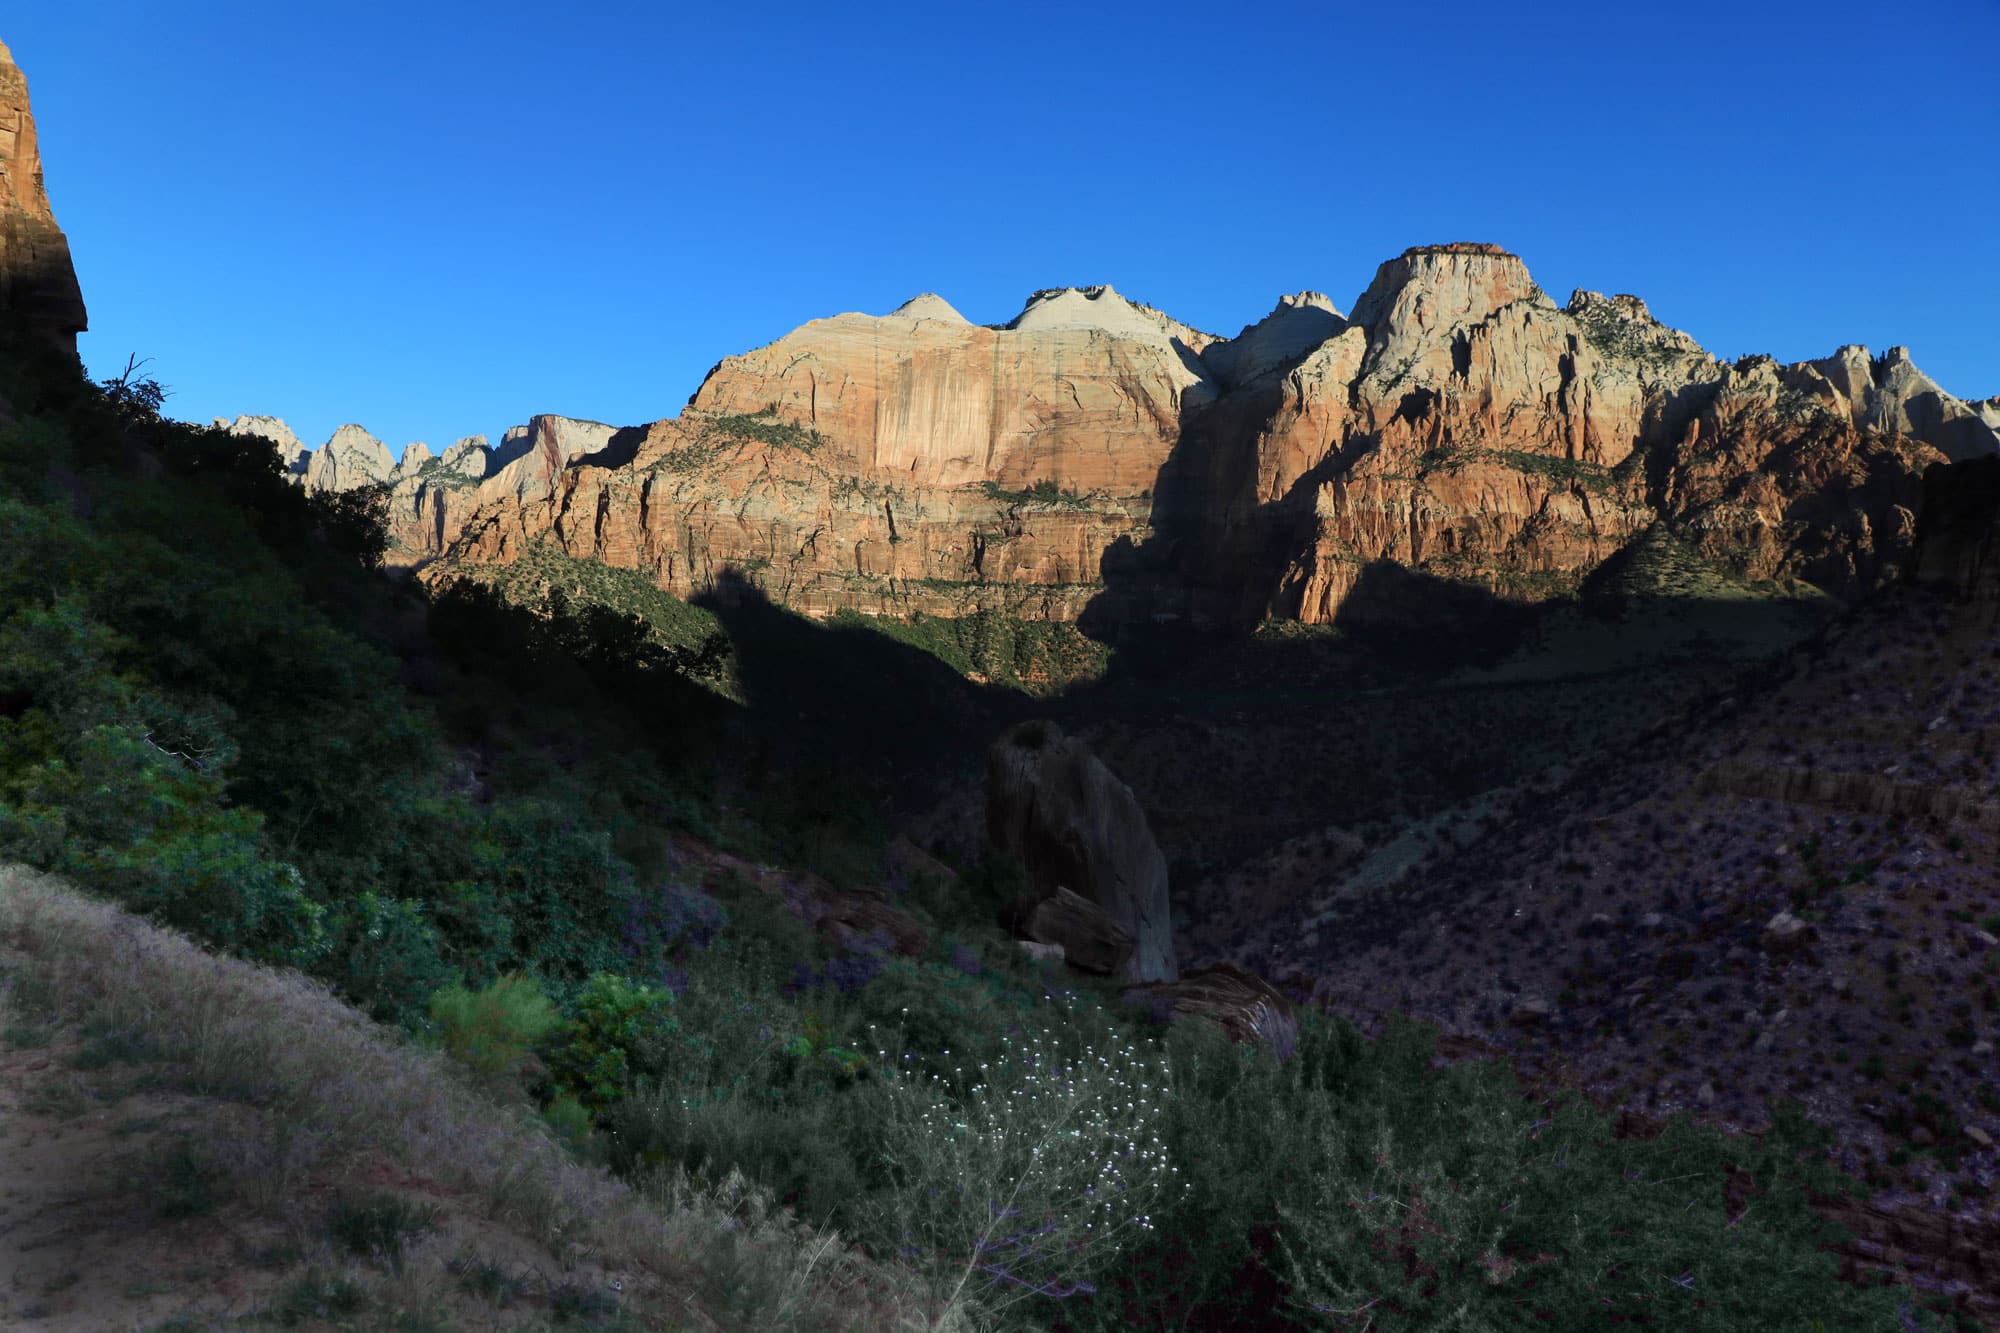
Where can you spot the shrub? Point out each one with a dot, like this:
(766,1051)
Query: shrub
(317,1296)
(1443,1199)
(388,961)
(569,1120)
(1024,1176)
(108,808)
(380,1227)
(620,1035)
(490,1030)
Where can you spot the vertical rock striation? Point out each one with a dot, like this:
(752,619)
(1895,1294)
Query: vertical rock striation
(1459,441)
(36,275)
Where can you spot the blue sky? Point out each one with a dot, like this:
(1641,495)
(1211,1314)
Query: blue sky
(437,218)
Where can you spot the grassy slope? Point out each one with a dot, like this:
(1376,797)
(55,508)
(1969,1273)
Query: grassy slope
(211,1140)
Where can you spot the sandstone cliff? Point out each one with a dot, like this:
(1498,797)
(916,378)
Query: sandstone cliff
(1460,431)
(912,461)
(428,496)
(36,276)
(1463,425)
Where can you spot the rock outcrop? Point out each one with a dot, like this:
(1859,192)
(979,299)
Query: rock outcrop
(1079,931)
(36,275)
(912,461)
(1093,457)
(350,460)
(1076,827)
(429,496)
(1242,1003)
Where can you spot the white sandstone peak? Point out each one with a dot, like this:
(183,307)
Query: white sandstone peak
(1102,308)
(929,305)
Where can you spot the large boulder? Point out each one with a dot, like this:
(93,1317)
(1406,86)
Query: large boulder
(1074,825)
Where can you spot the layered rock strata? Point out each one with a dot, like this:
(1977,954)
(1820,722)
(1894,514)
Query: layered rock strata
(914,461)
(36,275)
(1460,433)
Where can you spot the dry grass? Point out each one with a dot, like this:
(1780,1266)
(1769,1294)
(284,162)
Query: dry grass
(331,1084)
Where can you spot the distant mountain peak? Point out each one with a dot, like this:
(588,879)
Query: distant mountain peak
(929,305)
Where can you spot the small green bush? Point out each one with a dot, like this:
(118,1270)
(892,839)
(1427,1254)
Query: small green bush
(487,1280)
(620,1035)
(570,1121)
(389,961)
(380,1227)
(491,1030)
(317,1296)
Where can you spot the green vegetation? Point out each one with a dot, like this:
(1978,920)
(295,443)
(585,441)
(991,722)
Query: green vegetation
(723,431)
(1037,656)
(492,1030)
(1044,494)
(612,604)
(380,1228)
(1616,338)
(507,827)
(1570,472)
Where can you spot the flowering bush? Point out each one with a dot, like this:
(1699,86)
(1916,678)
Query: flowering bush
(1024,1175)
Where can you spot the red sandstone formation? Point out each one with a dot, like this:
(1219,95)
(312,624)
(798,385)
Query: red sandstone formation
(1095,453)
(36,276)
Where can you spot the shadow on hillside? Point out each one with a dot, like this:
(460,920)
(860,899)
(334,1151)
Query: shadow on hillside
(1220,559)
(848,700)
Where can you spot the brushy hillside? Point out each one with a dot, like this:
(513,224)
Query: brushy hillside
(194,1142)
(544,844)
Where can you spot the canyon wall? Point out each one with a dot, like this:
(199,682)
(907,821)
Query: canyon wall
(36,275)
(1094,458)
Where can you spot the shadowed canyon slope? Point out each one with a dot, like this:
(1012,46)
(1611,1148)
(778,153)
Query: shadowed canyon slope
(1095,458)
(1787,889)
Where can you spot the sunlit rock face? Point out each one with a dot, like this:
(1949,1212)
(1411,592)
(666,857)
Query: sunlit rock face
(36,275)
(1093,458)
(428,496)
(1464,426)
(910,461)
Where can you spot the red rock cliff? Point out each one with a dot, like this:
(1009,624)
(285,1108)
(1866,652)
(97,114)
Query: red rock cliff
(36,276)
(1094,455)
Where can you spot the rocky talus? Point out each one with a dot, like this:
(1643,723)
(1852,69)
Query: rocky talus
(36,275)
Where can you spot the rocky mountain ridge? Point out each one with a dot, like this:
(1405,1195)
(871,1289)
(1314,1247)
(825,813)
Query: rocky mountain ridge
(1095,458)
(428,495)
